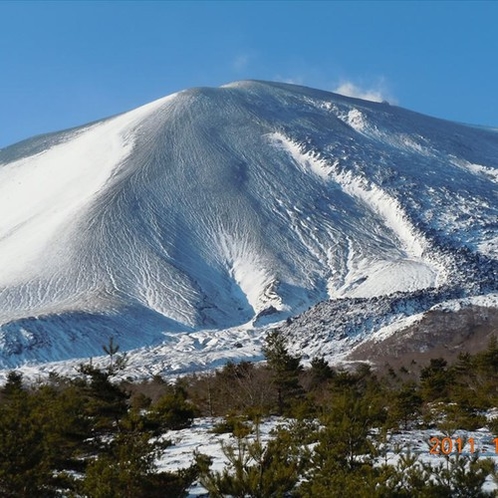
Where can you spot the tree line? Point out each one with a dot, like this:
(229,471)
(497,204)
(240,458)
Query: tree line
(92,436)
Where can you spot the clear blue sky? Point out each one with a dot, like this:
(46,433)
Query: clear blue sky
(67,63)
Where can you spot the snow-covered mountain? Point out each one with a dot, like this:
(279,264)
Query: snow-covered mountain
(216,210)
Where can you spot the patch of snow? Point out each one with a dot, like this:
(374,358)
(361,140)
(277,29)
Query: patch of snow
(389,330)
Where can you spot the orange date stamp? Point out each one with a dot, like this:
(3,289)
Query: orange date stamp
(448,445)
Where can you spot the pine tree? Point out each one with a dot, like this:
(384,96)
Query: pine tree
(254,469)
(106,402)
(171,411)
(342,462)
(24,462)
(406,406)
(435,380)
(122,470)
(285,369)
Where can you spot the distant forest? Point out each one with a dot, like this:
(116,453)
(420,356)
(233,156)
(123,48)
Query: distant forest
(94,436)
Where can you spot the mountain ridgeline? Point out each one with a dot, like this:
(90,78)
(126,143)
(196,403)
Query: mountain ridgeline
(236,207)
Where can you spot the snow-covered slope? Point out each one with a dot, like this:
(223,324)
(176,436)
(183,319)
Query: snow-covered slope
(245,204)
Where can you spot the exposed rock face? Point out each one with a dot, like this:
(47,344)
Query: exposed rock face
(444,333)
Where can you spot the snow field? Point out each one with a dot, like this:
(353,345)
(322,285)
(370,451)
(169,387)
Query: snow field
(214,212)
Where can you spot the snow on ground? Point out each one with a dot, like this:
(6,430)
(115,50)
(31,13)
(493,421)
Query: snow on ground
(384,332)
(486,301)
(199,437)
(480,442)
(205,350)
(177,355)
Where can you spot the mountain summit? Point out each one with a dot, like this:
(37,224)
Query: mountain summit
(238,206)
